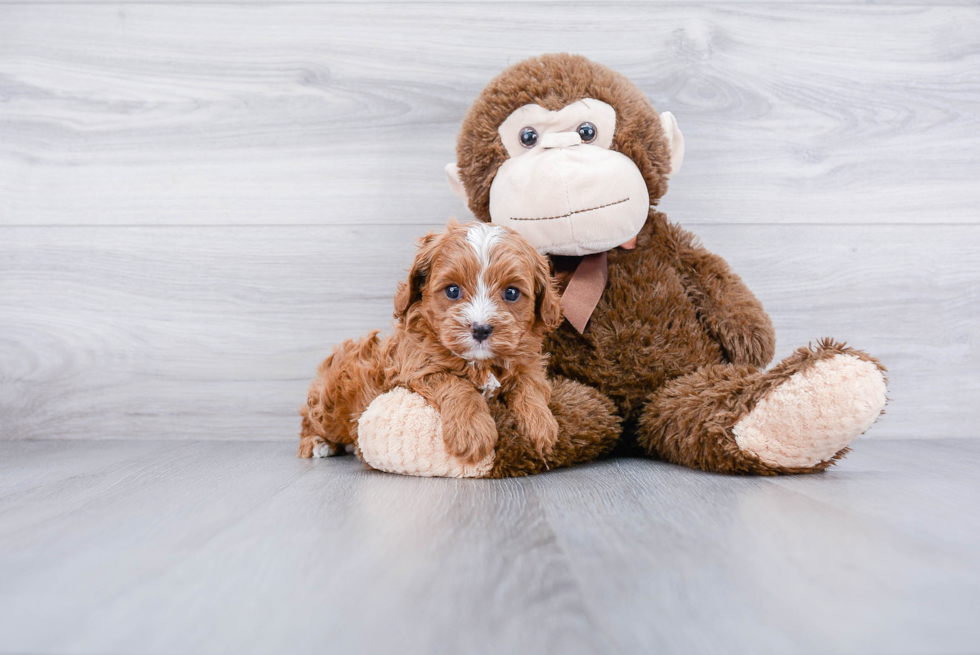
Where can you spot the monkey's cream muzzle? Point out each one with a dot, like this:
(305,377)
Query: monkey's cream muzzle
(569,198)
(565,196)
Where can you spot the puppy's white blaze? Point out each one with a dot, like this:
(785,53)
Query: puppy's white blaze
(480,308)
(482,237)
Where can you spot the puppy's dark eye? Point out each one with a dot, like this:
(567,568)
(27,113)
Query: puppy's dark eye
(588,132)
(452,292)
(512,294)
(529,137)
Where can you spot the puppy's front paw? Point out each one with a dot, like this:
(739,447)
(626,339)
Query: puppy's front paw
(469,438)
(540,426)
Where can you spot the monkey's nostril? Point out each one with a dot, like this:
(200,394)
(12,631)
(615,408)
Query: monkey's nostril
(481,331)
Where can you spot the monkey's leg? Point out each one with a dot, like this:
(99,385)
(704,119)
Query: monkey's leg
(798,417)
(401,433)
(588,428)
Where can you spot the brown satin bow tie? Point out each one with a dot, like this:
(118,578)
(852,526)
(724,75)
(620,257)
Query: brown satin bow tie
(585,289)
(586,285)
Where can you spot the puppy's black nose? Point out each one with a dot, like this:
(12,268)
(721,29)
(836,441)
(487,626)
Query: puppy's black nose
(481,331)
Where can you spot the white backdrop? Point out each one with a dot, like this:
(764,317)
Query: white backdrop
(197,200)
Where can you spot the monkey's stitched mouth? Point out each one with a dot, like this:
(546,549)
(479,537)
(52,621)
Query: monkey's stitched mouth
(577,211)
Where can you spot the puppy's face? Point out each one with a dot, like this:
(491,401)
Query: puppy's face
(482,291)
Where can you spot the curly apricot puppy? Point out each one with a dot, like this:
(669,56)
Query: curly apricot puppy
(470,322)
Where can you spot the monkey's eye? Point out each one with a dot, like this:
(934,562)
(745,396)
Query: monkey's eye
(512,294)
(452,292)
(529,137)
(588,132)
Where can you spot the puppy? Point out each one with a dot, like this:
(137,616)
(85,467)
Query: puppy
(469,325)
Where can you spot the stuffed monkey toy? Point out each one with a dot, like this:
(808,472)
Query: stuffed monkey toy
(664,349)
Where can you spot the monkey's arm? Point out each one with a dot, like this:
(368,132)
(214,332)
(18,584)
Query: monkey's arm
(726,307)
(467,426)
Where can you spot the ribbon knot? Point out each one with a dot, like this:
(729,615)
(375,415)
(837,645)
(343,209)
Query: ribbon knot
(585,289)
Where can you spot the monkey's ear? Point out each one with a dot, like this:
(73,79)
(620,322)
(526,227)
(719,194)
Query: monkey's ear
(410,292)
(675,140)
(456,184)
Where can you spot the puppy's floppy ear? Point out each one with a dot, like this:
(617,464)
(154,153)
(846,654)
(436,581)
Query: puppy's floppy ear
(547,302)
(410,292)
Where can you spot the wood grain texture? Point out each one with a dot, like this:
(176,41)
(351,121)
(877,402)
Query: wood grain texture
(782,571)
(346,113)
(222,326)
(203,547)
(215,333)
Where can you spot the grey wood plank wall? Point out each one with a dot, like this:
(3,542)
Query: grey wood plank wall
(198,200)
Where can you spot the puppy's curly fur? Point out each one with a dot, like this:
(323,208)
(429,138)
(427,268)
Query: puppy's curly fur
(470,322)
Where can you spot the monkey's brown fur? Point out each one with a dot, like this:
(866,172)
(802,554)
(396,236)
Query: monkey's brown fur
(677,343)
(588,428)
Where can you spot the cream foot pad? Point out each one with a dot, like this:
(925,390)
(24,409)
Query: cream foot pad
(401,433)
(814,414)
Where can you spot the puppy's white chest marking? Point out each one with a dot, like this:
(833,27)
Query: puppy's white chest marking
(490,387)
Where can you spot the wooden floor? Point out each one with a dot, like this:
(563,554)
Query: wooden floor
(209,547)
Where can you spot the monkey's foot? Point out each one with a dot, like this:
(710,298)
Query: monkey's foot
(814,413)
(401,433)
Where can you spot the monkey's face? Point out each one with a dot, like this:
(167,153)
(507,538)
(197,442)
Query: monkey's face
(567,153)
(562,187)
